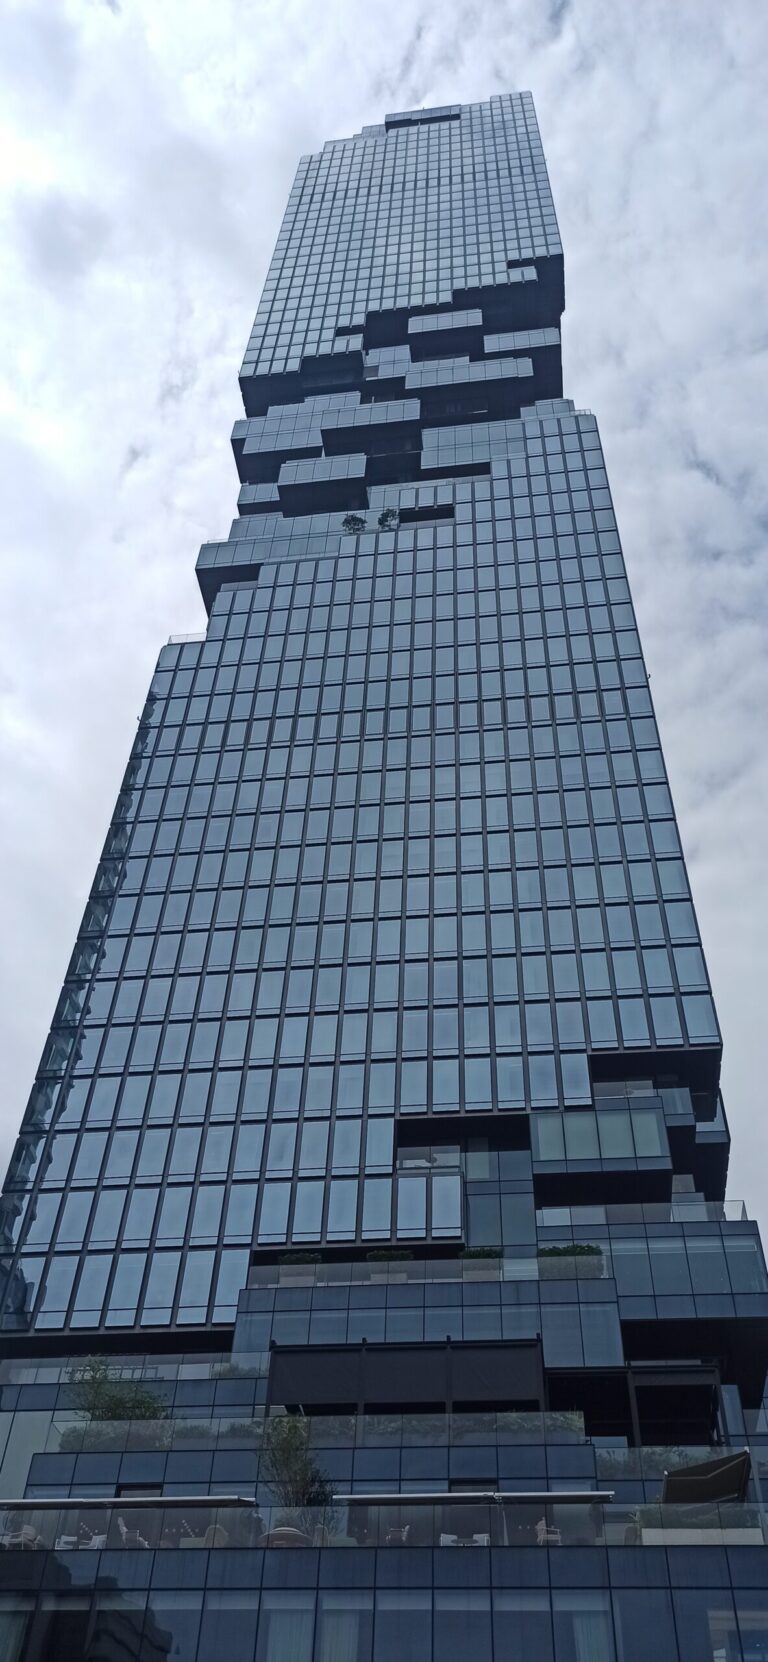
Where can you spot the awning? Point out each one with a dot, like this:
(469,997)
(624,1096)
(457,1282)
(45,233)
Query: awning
(724,1479)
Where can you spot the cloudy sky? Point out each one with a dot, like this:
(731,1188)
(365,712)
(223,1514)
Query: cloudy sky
(146,152)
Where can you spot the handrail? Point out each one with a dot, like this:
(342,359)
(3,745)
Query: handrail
(470,1497)
(101,1503)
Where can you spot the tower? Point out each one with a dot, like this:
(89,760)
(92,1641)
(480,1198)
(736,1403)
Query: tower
(378,1130)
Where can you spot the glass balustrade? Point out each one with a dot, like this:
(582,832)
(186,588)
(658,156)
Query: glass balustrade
(449,1520)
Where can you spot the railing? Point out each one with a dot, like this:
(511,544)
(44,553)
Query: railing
(650,1464)
(680,1209)
(503,1520)
(142,1368)
(394,1270)
(186,640)
(325,1431)
(553,1262)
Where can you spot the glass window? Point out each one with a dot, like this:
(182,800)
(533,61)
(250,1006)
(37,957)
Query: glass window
(286,1626)
(706,1262)
(522,1625)
(161,1286)
(40,1229)
(700,1018)
(581,1141)
(601,1335)
(706,1626)
(173,1619)
(745,1263)
(634,1025)
(446,1204)
(173,1215)
(547,1137)
(15,1616)
(602,1022)
(344,1626)
(206,1217)
(273,1223)
(666,1021)
(342,1209)
(195,1287)
(125,1289)
(631,1267)
(250,1140)
(638,1612)
(583,1626)
(56,1290)
(403,1626)
(615,1133)
(650,1134)
(346,1146)
(412,1206)
(90,1293)
(233,1270)
(752,1617)
(141,1216)
(377,1207)
(669,1266)
(543,1080)
(280,1150)
(378,1145)
(462,1624)
(229,1621)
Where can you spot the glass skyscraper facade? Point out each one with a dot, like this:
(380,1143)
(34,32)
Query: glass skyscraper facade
(370,1194)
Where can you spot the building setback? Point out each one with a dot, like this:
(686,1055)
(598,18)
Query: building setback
(370,1194)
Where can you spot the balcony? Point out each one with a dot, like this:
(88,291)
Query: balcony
(465,1519)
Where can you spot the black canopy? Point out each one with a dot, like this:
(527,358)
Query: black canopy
(724,1479)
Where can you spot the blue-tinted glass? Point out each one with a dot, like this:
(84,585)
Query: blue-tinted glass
(388,1016)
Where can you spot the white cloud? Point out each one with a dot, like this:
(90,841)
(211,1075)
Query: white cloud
(147,154)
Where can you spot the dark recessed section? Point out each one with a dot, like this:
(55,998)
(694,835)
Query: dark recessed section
(422,118)
(387,1378)
(211,578)
(699,1069)
(418,516)
(511,1131)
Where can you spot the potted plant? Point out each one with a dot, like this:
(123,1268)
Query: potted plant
(476,1262)
(297,1268)
(385,1261)
(572,1258)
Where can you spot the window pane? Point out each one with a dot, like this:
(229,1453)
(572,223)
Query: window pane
(706,1626)
(462,1625)
(403,1626)
(583,1626)
(344,1626)
(229,1621)
(286,1626)
(640,1612)
(522,1625)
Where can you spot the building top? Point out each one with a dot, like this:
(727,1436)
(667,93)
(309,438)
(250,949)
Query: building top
(367,236)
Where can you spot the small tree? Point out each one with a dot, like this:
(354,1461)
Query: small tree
(291,1471)
(389,518)
(353,523)
(99,1392)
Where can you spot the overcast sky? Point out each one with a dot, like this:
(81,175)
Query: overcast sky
(146,152)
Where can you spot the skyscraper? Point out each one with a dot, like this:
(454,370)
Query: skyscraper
(371,1189)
